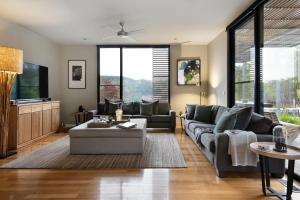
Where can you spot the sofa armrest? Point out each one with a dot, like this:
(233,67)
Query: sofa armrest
(172,114)
(221,159)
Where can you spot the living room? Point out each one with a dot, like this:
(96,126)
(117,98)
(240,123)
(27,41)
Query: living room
(193,78)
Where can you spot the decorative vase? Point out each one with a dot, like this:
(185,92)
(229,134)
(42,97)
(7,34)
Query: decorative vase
(280,138)
(119,114)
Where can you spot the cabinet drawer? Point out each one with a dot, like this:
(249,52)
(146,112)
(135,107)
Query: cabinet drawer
(37,107)
(24,109)
(55,104)
(47,106)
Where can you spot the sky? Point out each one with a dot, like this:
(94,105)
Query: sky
(137,62)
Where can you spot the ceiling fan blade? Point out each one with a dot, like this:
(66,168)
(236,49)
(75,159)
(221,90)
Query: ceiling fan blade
(131,39)
(134,31)
(109,37)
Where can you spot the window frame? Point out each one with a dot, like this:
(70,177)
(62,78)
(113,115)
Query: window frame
(254,11)
(121,65)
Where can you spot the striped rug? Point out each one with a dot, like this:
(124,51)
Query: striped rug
(161,150)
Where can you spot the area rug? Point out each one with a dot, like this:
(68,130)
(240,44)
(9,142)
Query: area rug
(161,150)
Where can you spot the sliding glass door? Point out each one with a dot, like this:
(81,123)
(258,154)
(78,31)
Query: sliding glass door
(264,60)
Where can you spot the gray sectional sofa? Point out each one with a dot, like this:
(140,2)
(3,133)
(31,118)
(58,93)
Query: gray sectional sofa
(214,145)
(163,118)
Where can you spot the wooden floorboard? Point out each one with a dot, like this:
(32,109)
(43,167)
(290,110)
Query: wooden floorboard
(198,181)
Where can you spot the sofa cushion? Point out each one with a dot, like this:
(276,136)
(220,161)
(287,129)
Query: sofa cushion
(160,118)
(208,141)
(187,122)
(220,112)
(127,108)
(243,116)
(226,122)
(190,111)
(203,113)
(194,125)
(101,109)
(260,124)
(214,112)
(154,106)
(146,109)
(136,108)
(163,108)
(111,107)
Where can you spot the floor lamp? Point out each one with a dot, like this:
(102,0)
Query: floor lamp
(11,64)
(198,84)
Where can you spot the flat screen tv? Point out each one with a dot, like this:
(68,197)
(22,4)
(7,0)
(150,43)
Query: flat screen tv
(32,84)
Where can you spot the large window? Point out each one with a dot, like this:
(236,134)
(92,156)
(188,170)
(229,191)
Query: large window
(132,73)
(109,73)
(244,63)
(137,74)
(264,51)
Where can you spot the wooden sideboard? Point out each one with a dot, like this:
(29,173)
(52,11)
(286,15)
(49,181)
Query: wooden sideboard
(31,122)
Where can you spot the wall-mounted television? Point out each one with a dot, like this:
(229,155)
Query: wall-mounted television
(32,84)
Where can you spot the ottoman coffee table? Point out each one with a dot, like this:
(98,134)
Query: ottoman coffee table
(113,140)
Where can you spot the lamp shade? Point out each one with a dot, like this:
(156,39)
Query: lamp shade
(11,60)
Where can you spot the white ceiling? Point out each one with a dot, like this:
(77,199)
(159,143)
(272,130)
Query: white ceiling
(69,21)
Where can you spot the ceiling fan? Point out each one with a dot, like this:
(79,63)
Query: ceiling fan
(123,34)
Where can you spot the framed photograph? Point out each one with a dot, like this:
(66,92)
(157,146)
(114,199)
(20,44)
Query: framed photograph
(188,71)
(77,74)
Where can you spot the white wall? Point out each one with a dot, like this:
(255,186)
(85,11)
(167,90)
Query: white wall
(217,73)
(182,95)
(37,50)
(72,98)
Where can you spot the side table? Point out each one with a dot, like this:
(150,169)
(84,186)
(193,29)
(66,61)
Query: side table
(181,117)
(291,155)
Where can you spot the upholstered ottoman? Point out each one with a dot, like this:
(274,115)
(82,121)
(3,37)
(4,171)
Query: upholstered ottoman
(111,140)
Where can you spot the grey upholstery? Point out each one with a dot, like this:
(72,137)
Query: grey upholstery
(166,117)
(208,141)
(215,146)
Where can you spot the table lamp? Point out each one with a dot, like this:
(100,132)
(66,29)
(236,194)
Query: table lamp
(11,64)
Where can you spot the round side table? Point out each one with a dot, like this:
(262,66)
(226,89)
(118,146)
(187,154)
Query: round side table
(291,155)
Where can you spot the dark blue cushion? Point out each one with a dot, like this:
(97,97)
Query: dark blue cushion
(226,122)
(203,113)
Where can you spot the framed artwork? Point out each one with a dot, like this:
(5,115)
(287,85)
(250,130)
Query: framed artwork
(188,71)
(77,74)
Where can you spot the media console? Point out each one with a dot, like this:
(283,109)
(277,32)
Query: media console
(29,122)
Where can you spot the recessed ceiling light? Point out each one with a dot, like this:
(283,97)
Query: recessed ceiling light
(84,38)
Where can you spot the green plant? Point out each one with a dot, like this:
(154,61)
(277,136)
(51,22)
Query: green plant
(286,117)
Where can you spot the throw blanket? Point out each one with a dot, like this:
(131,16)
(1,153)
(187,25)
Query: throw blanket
(239,147)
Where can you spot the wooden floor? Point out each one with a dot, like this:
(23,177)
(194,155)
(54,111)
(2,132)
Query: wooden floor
(198,181)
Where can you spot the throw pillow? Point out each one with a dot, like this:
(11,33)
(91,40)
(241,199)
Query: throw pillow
(226,122)
(243,117)
(136,108)
(190,111)
(111,106)
(203,113)
(260,124)
(146,109)
(155,106)
(127,108)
